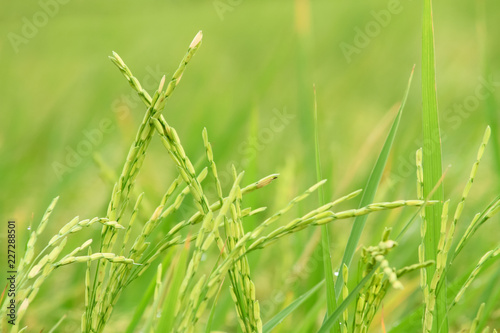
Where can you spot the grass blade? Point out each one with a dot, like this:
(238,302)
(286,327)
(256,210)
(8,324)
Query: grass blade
(54,328)
(277,319)
(159,287)
(331,302)
(208,329)
(432,160)
(330,321)
(492,254)
(309,322)
(371,189)
(491,297)
(141,308)
(166,321)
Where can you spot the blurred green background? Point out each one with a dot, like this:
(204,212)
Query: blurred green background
(258,59)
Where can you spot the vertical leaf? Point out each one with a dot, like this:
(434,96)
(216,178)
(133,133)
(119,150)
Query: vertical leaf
(278,318)
(432,164)
(167,319)
(325,238)
(370,190)
(330,321)
(148,294)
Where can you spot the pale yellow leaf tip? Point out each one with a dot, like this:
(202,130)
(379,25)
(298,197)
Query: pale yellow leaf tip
(24,305)
(157,213)
(267,180)
(179,79)
(487,134)
(162,82)
(197,39)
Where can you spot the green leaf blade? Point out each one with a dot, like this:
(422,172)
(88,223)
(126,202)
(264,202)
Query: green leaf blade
(331,320)
(370,190)
(278,318)
(432,159)
(331,301)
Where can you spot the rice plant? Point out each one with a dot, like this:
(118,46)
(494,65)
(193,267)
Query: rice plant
(191,268)
(118,264)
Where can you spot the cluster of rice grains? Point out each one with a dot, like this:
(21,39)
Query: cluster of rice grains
(368,301)
(446,254)
(182,295)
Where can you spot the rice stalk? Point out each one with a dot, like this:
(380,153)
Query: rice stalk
(475,272)
(331,301)
(475,322)
(432,159)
